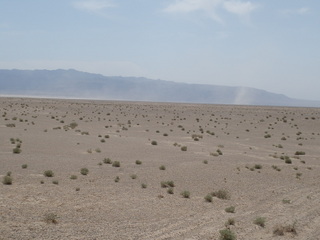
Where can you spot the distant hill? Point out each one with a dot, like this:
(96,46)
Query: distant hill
(76,84)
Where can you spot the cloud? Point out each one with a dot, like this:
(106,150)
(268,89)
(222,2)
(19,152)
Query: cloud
(210,7)
(239,8)
(192,5)
(93,5)
(299,11)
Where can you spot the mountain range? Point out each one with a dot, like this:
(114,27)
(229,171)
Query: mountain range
(75,84)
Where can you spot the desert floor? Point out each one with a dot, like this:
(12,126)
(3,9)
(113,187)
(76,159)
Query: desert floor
(269,164)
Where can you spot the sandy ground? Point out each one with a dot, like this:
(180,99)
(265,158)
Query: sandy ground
(252,140)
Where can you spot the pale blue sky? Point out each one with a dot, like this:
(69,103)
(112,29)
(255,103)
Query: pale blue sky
(267,44)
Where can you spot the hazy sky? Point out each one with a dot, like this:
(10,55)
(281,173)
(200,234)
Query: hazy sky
(267,44)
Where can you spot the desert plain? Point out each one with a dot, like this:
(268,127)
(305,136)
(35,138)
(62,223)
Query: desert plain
(157,170)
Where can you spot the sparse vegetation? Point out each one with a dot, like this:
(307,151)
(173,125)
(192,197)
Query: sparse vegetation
(299,153)
(221,194)
(208,198)
(116,164)
(48,173)
(73,177)
(84,171)
(16,150)
(227,234)
(260,221)
(7,180)
(184,148)
(185,194)
(230,209)
(170,190)
(162,167)
(107,161)
(280,230)
(230,221)
(50,218)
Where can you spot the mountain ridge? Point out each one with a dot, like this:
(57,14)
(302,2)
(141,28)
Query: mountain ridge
(76,84)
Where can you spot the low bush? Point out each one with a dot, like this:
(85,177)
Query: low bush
(7,180)
(208,198)
(230,209)
(107,161)
(185,194)
(48,173)
(162,167)
(73,177)
(260,221)
(51,218)
(116,164)
(227,234)
(221,194)
(84,171)
(184,148)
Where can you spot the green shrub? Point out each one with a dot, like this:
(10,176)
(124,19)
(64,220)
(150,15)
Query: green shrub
(227,234)
(185,194)
(219,152)
(281,230)
(170,190)
(48,173)
(50,218)
(299,153)
(163,184)
(162,167)
(138,162)
(288,161)
(221,194)
(24,166)
(107,161)
(260,221)
(73,125)
(73,177)
(154,143)
(84,171)
(208,198)
(7,180)
(116,164)
(117,179)
(56,182)
(230,221)
(257,166)
(16,150)
(230,209)
(170,183)
(184,148)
